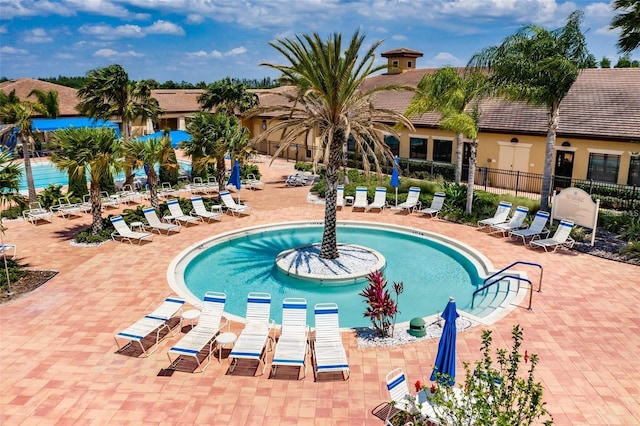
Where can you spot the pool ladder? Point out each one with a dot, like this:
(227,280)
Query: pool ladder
(497,277)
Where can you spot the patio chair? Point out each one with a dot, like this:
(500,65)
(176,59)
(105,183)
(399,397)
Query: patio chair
(500,216)
(292,346)
(177,216)
(66,209)
(151,327)
(203,335)
(340,196)
(328,351)
(85,206)
(295,179)
(201,211)
(124,233)
(36,213)
(212,184)
(436,205)
(198,187)
(379,199)
(514,223)
(403,400)
(537,228)
(156,225)
(232,206)
(412,202)
(166,191)
(4,248)
(256,337)
(360,201)
(129,195)
(107,200)
(251,182)
(561,238)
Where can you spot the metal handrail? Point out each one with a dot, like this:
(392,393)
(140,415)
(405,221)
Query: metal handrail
(501,277)
(518,262)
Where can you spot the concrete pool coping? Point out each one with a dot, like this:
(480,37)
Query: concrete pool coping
(484,267)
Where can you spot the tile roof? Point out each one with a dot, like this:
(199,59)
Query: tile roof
(403,51)
(67,96)
(178,100)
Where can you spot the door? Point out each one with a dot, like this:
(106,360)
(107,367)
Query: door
(512,158)
(563,170)
(466,154)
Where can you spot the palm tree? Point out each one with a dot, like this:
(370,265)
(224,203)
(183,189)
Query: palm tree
(47,104)
(329,100)
(9,180)
(628,22)
(448,93)
(151,152)
(20,115)
(94,149)
(538,67)
(229,97)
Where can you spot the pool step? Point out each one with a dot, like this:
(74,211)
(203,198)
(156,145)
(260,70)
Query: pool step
(489,301)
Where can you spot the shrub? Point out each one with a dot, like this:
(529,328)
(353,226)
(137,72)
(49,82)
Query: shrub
(15,273)
(381,309)
(631,250)
(12,212)
(86,236)
(303,166)
(50,195)
(250,169)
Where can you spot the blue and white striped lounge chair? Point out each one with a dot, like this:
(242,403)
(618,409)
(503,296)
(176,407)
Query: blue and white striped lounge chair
(177,216)
(561,238)
(412,202)
(152,325)
(500,216)
(4,248)
(514,223)
(436,205)
(340,197)
(124,233)
(379,199)
(232,206)
(291,349)
(201,211)
(203,335)
(156,225)
(536,229)
(360,201)
(328,351)
(256,337)
(402,399)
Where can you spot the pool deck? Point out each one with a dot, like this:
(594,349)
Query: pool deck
(58,360)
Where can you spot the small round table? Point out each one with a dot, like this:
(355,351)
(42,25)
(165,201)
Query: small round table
(137,226)
(224,339)
(191,315)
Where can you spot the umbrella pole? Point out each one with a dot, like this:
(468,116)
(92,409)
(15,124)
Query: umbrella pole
(396,197)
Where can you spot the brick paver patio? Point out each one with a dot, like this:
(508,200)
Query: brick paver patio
(58,361)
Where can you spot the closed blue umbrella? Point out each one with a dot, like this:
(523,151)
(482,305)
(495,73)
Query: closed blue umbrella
(234,179)
(395,177)
(446,358)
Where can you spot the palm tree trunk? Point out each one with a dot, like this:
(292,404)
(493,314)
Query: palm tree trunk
(220,166)
(96,208)
(152,180)
(27,169)
(329,248)
(472,175)
(553,122)
(459,146)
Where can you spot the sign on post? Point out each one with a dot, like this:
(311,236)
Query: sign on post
(576,205)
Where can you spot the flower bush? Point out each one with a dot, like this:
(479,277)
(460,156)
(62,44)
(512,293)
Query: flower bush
(382,308)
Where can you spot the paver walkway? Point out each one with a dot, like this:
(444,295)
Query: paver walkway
(58,363)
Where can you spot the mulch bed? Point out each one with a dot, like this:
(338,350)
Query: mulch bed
(27,284)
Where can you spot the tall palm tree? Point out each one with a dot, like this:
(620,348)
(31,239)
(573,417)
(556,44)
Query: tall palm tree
(330,100)
(9,180)
(229,97)
(20,115)
(449,93)
(628,22)
(96,150)
(47,104)
(538,66)
(151,152)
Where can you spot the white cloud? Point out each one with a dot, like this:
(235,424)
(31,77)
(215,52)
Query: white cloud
(398,37)
(216,54)
(164,27)
(13,51)
(194,19)
(63,56)
(236,51)
(110,53)
(37,35)
(198,54)
(108,32)
(445,58)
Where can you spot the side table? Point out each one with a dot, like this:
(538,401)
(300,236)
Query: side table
(224,339)
(191,315)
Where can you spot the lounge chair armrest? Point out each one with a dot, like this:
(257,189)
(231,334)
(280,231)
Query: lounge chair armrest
(224,321)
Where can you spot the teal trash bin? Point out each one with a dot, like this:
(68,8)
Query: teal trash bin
(417,327)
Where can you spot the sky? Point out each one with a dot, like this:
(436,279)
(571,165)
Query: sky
(207,40)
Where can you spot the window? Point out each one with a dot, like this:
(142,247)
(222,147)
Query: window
(394,64)
(393,143)
(409,64)
(351,144)
(634,171)
(603,167)
(418,148)
(442,150)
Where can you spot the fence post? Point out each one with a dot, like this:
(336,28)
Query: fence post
(517,181)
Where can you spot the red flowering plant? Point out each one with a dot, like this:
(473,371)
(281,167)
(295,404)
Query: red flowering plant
(381,309)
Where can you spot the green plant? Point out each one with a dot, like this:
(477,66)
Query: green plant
(15,273)
(50,195)
(88,236)
(250,169)
(303,166)
(12,212)
(631,229)
(381,309)
(631,250)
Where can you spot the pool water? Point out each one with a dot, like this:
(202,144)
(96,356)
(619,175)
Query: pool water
(46,173)
(431,273)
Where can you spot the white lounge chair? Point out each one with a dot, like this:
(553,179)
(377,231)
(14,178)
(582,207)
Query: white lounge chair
(361,201)
(66,209)
(291,349)
(251,182)
(36,213)
(4,248)
(256,337)
(500,216)
(402,398)
(212,184)
(203,335)
(109,201)
(514,223)
(156,225)
(412,202)
(198,187)
(166,191)
(124,233)
(340,196)
(436,205)
(152,326)
(379,199)
(232,206)
(129,195)
(328,351)
(536,229)
(85,206)
(177,216)
(561,238)
(201,211)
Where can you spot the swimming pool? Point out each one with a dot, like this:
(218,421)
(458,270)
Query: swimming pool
(432,267)
(46,173)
